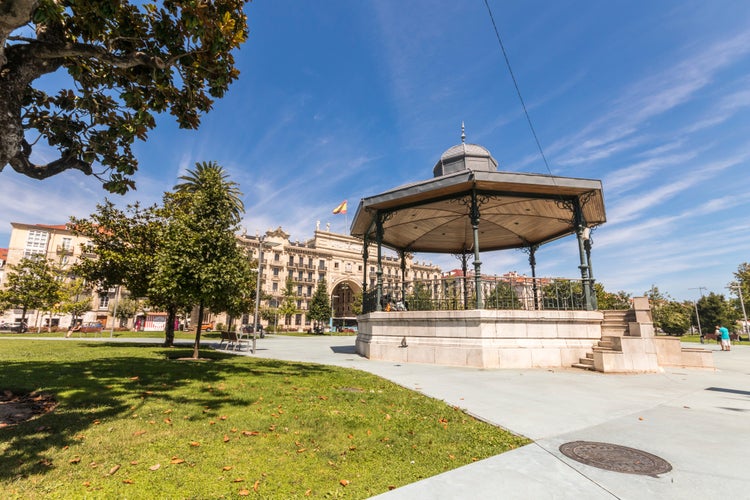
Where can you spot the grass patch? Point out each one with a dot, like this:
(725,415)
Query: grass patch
(138,421)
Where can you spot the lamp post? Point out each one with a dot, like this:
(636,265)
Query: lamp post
(695,303)
(261,243)
(738,287)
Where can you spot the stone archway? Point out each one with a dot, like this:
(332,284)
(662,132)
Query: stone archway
(342,304)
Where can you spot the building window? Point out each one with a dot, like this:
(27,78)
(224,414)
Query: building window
(103,301)
(348,267)
(335,265)
(297,319)
(309,291)
(299,289)
(276,257)
(36,243)
(291,260)
(359,268)
(321,264)
(276,272)
(275,287)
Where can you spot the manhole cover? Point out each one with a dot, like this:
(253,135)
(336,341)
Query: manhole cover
(615,458)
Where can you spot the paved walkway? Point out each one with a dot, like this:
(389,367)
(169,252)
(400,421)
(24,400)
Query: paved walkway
(697,420)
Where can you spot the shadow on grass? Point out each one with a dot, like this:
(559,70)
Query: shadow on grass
(111,385)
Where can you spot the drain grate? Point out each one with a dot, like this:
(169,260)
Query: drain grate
(616,458)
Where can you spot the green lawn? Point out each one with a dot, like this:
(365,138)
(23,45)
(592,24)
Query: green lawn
(137,421)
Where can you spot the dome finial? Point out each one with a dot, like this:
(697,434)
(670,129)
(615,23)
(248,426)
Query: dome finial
(463,132)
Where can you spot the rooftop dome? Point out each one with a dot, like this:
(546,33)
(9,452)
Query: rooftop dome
(464,157)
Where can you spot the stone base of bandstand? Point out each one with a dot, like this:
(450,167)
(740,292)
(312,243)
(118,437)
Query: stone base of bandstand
(480,338)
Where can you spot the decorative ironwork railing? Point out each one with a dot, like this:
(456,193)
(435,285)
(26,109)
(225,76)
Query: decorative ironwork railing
(459,293)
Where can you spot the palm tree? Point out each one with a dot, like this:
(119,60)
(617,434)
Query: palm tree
(211,177)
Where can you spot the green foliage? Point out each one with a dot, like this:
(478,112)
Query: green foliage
(288,306)
(199,260)
(138,421)
(713,310)
(502,296)
(610,301)
(123,246)
(563,294)
(31,284)
(74,298)
(674,317)
(126,61)
(420,298)
(320,305)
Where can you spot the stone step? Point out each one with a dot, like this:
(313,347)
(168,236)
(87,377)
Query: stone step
(589,355)
(583,366)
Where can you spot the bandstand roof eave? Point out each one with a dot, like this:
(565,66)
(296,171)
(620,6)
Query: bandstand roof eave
(459,184)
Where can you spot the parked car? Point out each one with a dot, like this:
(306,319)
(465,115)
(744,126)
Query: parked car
(92,327)
(249,329)
(207,327)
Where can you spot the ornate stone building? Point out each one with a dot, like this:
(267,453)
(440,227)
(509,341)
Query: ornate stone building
(333,257)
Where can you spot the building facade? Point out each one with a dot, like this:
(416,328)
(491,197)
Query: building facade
(335,258)
(59,245)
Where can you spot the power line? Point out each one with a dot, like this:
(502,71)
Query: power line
(518,90)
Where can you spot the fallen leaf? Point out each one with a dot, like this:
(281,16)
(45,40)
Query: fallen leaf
(640,418)
(167,411)
(139,433)
(344,482)
(176,460)
(302,450)
(226,438)
(87,483)
(243,493)
(387,416)
(323,397)
(134,462)
(350,436)
(212,423)
(255,486)
(227,467)
(155,467)
(308,492)
(75,460)
(134,378)
(194,443)
(128,481)
(168,421)
(114,469)
(250,433)
(223,417)
(239,480)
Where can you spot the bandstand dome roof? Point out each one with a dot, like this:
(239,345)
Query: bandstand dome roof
(516,209)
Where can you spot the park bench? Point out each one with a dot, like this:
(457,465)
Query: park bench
(233,340)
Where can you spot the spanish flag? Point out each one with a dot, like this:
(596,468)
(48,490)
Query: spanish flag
(341,209)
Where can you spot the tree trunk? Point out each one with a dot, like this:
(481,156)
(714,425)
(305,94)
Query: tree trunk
(198,329)
(169,329)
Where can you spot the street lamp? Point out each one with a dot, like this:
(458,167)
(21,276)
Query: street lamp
(261,243)
(738,287)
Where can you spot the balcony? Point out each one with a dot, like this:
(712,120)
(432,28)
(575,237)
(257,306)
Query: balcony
(64,250)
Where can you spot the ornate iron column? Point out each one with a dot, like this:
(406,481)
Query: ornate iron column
(365,256)
(532,262)
(474,215)
(402,254)
(588,241)
(379,273)
(580,228)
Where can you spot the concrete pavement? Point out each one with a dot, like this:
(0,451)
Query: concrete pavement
(697,420)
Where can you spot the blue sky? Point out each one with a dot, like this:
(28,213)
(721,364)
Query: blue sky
(342,100)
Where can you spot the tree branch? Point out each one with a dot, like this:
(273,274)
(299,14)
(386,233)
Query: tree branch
(22,164)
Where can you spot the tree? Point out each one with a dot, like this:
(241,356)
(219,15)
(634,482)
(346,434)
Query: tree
(420,298)
(611,301)
(320,305)
(502,296)
(288,306)
(715,310)
(124,61)
(75,298)
(674,317)
(125,308)
(199,260)
(31,284)
(124,247)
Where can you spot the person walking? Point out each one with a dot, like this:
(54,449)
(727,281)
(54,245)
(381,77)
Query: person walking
(724,333)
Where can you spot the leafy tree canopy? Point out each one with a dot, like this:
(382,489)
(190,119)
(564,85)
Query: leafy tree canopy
(31,284)
(125,62)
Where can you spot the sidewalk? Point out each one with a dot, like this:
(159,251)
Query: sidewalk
(696,420)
